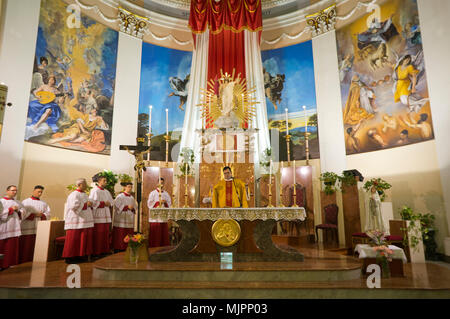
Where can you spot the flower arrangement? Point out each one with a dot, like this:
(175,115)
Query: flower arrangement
(378,237)
(329,179)
(346,179)
(135,241)
(187,161)
(382,250)
(380,185)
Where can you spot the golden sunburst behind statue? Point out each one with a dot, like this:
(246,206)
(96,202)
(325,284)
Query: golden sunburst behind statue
(227,103)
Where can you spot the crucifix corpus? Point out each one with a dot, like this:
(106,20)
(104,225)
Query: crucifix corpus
(138,151)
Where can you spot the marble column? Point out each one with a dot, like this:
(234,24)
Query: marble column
(435,26)
(126,103)
(19,34)
(329,108)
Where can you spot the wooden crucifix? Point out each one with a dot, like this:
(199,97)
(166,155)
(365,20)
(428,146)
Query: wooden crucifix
(138,151)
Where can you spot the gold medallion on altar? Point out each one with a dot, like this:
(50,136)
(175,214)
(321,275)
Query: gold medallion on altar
(226,232)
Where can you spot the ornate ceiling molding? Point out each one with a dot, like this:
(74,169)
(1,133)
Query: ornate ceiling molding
(322,21)
(132,24)
(170,31)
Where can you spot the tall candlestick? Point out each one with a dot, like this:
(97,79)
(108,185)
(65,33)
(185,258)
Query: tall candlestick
(185,173)
(306,119)
(287,122)
(294,172)
(150,119)
(167,122)
(270,169)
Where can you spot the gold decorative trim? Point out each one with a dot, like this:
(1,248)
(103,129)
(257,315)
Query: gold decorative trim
(322,21)
(226,232)
(132,24)
(263,213)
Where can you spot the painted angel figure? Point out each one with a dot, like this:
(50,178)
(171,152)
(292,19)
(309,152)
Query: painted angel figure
(180,89)
(407,73)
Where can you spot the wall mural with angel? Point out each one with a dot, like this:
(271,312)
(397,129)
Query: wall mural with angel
(72,89)
(289,84)
(383,80)
(165,77)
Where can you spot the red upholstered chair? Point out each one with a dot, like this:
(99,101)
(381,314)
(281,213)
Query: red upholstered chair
(331,221)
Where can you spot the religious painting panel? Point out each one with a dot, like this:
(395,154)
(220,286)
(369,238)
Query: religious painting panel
(289,84)
(385,101)
(163,95)
(72,89)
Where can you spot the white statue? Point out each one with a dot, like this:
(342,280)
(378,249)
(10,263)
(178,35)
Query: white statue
(374,220)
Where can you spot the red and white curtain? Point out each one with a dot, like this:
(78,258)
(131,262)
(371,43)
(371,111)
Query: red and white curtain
(228,33)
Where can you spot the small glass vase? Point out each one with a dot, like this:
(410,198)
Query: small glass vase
(134,255)
(384,264)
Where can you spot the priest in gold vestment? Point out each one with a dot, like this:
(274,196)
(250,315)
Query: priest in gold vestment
(229,192)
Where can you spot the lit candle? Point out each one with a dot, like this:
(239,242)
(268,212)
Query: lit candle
(167,122)
(306,119)
(287,122)
(185,173)
(150,119)
(159,174)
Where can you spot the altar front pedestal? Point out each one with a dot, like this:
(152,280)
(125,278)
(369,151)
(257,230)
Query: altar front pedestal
(46,233)
(416,254)
(255,242)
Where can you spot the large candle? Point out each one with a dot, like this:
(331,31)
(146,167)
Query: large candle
(287,122)
(185,173)
(159,174)
(150,119)
(167,122)
(306,119)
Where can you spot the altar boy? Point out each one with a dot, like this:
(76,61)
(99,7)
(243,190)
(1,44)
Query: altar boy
(11,212)
(101,202)
(124,213)
(36,210)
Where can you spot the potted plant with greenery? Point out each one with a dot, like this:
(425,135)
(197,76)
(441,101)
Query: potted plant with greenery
(111,179)
(329,180)
(380,185)
(346,179)
(426,231)
(265,160)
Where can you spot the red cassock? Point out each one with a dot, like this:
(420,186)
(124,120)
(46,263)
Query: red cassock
(158,230)
(79,226)
(10,231)
(102,219)
(123,221)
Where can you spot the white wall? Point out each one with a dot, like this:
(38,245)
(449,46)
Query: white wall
(435,26)
(16,65)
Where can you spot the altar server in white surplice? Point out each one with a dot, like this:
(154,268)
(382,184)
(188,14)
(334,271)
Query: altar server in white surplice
(10,231)
(79,225)
(36,210)
(159,230)
(124,214)
(101,202)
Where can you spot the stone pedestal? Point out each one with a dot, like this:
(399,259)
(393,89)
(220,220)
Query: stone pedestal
(46,233)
